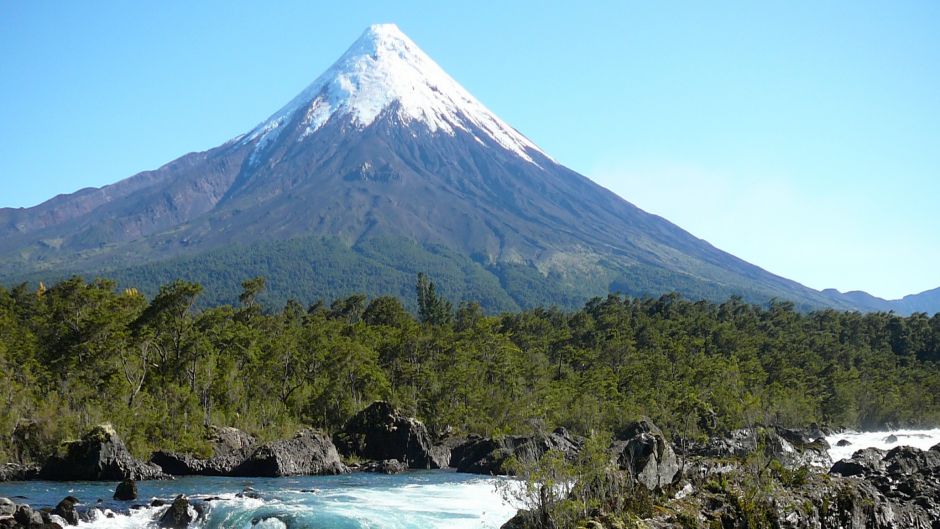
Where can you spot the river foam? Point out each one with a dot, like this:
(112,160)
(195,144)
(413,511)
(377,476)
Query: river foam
(886,440)
(413,500)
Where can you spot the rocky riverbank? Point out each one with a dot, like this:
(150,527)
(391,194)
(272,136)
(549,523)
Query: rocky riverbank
(761,477)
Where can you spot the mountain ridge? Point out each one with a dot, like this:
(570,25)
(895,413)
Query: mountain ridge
(386,146)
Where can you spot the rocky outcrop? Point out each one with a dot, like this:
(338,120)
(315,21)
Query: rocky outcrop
(13,516)
(863,462)
(646,455)
(17,472)
(874,488)
(388,466)
(792,448)
(66,510)
(7,508)
(308,452)
(230,448)
(178,515)
(482,455)
(99,455)
(126,490)
(27,517)
(381,432)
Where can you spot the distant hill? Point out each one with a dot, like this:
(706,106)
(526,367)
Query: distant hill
(383,167)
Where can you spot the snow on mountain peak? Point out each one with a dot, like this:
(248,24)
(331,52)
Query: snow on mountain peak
(384,67)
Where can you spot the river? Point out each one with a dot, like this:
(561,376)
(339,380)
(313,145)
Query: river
(412,500)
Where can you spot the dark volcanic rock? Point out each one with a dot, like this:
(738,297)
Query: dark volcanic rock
(905,460)
(98,456)
(17,472)
(27,517)
(381,432)
(308,452)
(66,510)
(230,447)
(862,462)
(843,442)
(647,456)
(899,489)
(388,466)
(480,455)
(792,448)
(178,515)
(126,490)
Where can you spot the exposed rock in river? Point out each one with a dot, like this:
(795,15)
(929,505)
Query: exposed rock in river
(381,432)
(308,452)
(178,515)
(99,455)
(126,490)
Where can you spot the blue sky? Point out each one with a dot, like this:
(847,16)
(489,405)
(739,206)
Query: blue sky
(801,136)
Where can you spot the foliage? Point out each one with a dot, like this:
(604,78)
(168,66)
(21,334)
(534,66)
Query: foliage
(79,353)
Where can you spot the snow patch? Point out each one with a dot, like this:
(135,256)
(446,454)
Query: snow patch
(383,67)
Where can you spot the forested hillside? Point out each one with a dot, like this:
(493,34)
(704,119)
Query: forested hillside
(79,353)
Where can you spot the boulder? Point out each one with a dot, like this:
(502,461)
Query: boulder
(523,519)
(906,460)
(480,455)
(863,462)
(26,516)
(178,515)
(843,442)
(230,447)
(387,466)
(647,456)
(66,510)
(381,432)
(7,507)
(99,455)
(308,452)
(126,490)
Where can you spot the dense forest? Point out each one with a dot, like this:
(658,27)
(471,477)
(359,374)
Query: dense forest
(309,268)
(80,353)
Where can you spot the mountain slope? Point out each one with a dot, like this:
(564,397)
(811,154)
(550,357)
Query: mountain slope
(384,146)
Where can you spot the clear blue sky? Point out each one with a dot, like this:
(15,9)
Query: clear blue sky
(801,136)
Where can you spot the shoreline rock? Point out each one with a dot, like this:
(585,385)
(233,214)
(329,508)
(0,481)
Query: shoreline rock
(310,452)
(230,448)
(13,516)
(18,472)
(100,455)
(722,484)
(483,455)
(380,432)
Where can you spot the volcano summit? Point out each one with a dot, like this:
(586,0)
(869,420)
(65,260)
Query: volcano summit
(383,167)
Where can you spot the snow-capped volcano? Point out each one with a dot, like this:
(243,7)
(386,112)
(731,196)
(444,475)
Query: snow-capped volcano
(383,167)
(382,68)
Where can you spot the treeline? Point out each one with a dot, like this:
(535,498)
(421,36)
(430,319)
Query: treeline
(79,353)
